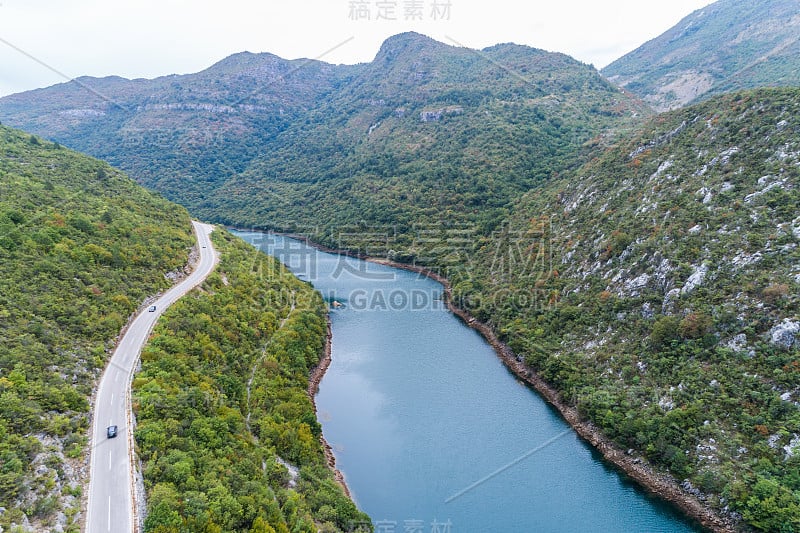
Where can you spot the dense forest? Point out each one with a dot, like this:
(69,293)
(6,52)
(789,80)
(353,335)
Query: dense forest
(655,287)
(81,246)
(227,433)
(421,138)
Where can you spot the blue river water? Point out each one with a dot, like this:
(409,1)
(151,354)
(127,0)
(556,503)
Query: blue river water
(433,433)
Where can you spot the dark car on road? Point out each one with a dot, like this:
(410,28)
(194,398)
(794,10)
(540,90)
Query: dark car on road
(111,432)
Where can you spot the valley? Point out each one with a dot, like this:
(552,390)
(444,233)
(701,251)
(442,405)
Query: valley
(629,237)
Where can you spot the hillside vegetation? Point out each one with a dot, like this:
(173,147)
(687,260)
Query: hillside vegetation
(222,402)
(81,246)
(181,134)
(657,289)
(728,45)
(226,430)
(653,283)
(425,132)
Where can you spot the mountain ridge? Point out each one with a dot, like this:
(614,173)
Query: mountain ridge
(418,100)
(727,45)
(667,315)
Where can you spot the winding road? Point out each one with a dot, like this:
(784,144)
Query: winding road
(110,504)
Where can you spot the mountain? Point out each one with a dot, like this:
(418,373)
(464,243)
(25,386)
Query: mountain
(82,247)
(728,45)
(426,132)
(648,268)
(425,128)
(178,134)
(657,289)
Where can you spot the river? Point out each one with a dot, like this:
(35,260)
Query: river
(433,433)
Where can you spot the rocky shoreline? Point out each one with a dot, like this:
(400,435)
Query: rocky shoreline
(659,484)
(662,485)
(314,379)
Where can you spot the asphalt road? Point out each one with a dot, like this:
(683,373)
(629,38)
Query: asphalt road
(110,502)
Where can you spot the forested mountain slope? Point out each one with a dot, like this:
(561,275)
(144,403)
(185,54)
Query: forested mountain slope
(425,130)
(728,45)
(227,433)
(426,133)
(182,135)
(657,288)
(654,284)
(81,247)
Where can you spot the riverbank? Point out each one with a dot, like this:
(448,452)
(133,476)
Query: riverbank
(660,484)
(314,379)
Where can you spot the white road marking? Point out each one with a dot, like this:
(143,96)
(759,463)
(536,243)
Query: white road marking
(123,361)
(109,459)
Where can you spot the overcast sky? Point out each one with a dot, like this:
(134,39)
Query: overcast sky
(149,38)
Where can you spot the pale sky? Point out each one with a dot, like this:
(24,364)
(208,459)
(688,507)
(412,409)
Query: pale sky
(149,38)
